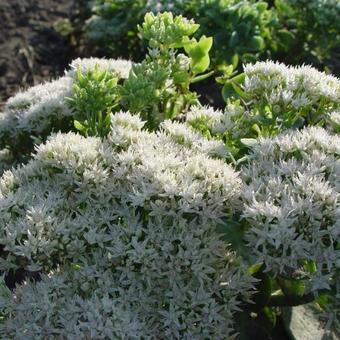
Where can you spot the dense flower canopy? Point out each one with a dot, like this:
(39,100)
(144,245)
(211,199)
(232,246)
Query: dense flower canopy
(163,218)
(292,204)
(123,232)
(288,86)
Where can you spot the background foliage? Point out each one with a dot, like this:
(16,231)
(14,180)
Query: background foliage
(243,30)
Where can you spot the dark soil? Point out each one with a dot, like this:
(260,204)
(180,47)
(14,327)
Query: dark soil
(31,51)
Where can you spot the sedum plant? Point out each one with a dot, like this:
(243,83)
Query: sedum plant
(291,204)
(288,225)
(158,88)
(137,227)
(124,224)
(94,96)
(30,116)
(291,219)
(270,97)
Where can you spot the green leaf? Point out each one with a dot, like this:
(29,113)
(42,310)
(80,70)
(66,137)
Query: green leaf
(79,126)
(269,317)
(204,45)
(107,120)
(257,43)
(198,51)
(239,79)
(286,37)
(311,267)
(233,233)
(263,287)
(234,40)
(249,142)
(257,129)
(201,65)
(235,60)
(228,70)
(291,287)
(262,6)
(239,91)
(228,91)
(76,266)
(181,77)
(322,300)
(252,270)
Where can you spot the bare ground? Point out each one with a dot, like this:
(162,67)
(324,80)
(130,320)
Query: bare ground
(30,49)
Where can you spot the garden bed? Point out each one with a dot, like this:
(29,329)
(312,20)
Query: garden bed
(164,174)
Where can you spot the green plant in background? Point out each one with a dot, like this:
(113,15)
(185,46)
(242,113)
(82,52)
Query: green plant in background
(242,30)
(112,28)
(159,87)
(316,29)
(291,31)
(94,97)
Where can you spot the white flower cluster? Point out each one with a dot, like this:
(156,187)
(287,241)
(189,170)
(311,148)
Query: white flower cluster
(292,204)
(120,66)
(43,108)
(124,232)
(287,87)
(335,117)
(67,306)
(206,115)
(216,121)
(33,110)
(184,134)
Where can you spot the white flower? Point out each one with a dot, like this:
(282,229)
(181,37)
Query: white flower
(205,113)
(291,202)
(335,117)
(33,114)
(215,121)
(35,109)
(130,224)
(120,66)
(297,86)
